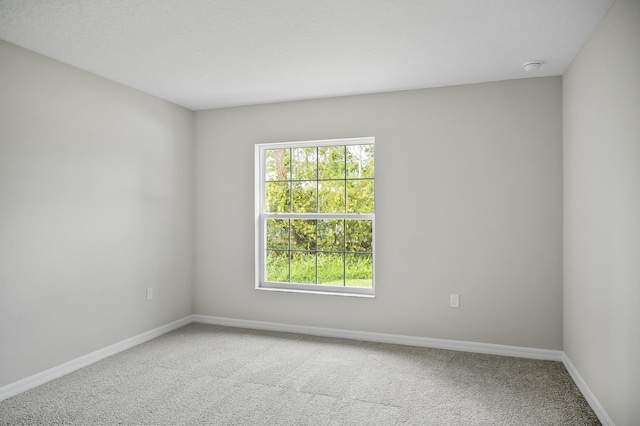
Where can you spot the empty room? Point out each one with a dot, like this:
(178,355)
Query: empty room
(291,212)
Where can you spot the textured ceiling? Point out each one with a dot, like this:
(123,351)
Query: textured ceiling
(214,53)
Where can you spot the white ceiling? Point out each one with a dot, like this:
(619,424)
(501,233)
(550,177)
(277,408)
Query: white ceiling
(215,53)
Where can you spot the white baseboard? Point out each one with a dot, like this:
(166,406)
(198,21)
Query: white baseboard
(53,373)
(586,392)
(455,345)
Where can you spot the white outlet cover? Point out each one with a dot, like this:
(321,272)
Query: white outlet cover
(455,300)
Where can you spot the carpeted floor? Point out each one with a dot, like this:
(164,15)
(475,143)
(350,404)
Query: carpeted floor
(204,374)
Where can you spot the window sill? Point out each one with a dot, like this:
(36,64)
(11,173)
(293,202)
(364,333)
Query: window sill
(324,293)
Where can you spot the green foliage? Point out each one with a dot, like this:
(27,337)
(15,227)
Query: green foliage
(326,179)
(336,235)
(359,236)
(303,235)
(330,179)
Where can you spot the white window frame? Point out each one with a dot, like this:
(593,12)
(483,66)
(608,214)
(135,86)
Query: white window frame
(261,219)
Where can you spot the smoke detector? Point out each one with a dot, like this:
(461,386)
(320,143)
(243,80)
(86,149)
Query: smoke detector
(532,66)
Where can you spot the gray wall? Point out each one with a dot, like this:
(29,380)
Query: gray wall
(468,201)
(95,205)
(602,212)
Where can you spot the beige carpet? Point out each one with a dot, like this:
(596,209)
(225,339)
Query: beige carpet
(204,374)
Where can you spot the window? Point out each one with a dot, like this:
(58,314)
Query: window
(315,216)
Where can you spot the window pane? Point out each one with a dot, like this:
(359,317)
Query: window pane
(303,267)
(277,164)
(331,162)
(278,197)
(331,235)
(359,236)
(359,270)
(304,163)
(305,198)
(303,234)
(278,266)
(360,196)
(331,269)
(278,234)
(331,196)
(360,161)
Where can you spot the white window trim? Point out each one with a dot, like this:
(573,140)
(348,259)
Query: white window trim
(260,220)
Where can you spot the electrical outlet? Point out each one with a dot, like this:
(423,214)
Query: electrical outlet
(455,301)
(149,293)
